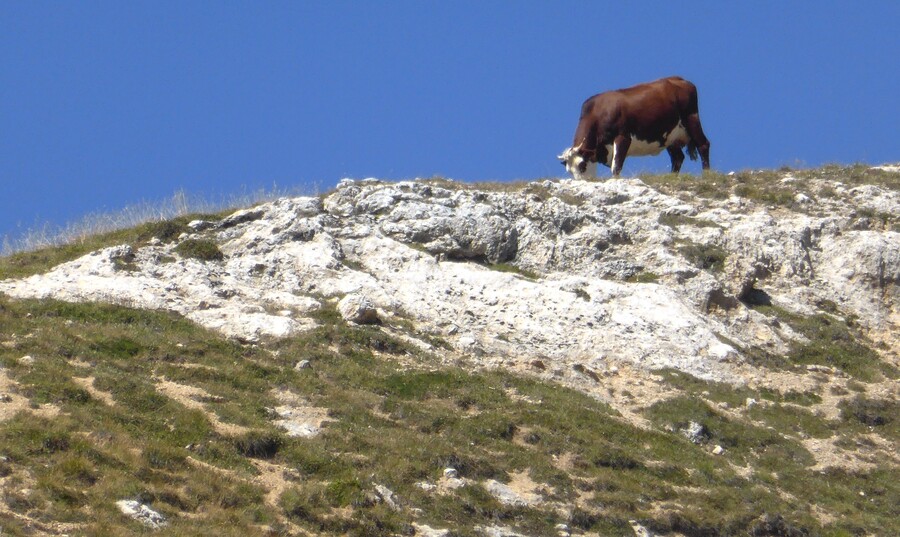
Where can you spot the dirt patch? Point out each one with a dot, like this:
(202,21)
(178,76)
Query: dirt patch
(297,417)
(189,396)
(273,478)
(11,403)
(522,484)
(88,384)
(828,455)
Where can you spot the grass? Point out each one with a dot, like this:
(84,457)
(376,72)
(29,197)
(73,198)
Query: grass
(99,429)
(391,426)
(675,220)
(200,249)
(26,263)
(512,269)
(704,256)
(644,277)
(179,206)
(834,342)
(769,187)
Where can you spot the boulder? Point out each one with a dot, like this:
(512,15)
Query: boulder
(358,309)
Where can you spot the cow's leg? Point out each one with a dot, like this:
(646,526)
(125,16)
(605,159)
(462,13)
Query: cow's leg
(677,156)
(619,152)
(695,131)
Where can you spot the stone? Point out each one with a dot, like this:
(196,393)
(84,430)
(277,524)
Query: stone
(639,530)
(696,433)
(142,513)
(498,531)
(358,309)
(504,494)
(387,496)
(423,530)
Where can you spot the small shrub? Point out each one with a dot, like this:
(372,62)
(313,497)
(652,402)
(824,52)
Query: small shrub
(77,468)
(165,231)
(119,348)
(303,504)
(164,457)
(55,442)
(582,519)
(507,267)
(870,412)
(343,492)
(675,220)
(643,277)
(201,249)
(705,256)
(258,445)
(583,295)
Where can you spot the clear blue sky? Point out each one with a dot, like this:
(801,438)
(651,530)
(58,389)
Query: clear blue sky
(105,104)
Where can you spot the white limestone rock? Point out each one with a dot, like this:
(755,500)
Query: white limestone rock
(142,513)
(428,251)
(358,309)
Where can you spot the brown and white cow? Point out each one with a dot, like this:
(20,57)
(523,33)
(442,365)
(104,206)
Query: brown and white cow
(636,121)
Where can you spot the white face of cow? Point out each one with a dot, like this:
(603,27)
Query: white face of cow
(576,165)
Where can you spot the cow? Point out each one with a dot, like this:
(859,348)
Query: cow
(637,121)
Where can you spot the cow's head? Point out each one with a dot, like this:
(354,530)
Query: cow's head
(578,164)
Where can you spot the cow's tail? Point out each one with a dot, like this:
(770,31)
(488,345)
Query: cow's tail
(692,150)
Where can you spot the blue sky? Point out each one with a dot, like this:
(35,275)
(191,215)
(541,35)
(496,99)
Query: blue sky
(107,104)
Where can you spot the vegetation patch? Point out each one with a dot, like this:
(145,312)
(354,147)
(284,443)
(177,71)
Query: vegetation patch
(201,249)
(513,269)
(399,416)
(881,415)
(643,277)
(704,256)
(35,261)
(391,426)
(834,342)
(674,220)
(773,187)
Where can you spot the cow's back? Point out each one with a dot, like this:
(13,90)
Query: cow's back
(659,93)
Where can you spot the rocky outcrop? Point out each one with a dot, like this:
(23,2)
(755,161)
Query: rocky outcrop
(577,276)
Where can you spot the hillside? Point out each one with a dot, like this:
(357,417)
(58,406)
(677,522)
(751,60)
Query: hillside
(664,355)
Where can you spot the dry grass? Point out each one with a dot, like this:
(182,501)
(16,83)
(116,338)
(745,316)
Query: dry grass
(102,223)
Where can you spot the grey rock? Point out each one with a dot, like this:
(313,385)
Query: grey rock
(504,494)
(423,530)
(696,433)
(142,513)
(387,496)
(358,309)
(242,217)
(498,531)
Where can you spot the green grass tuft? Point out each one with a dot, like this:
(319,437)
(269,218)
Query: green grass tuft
(201,249)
